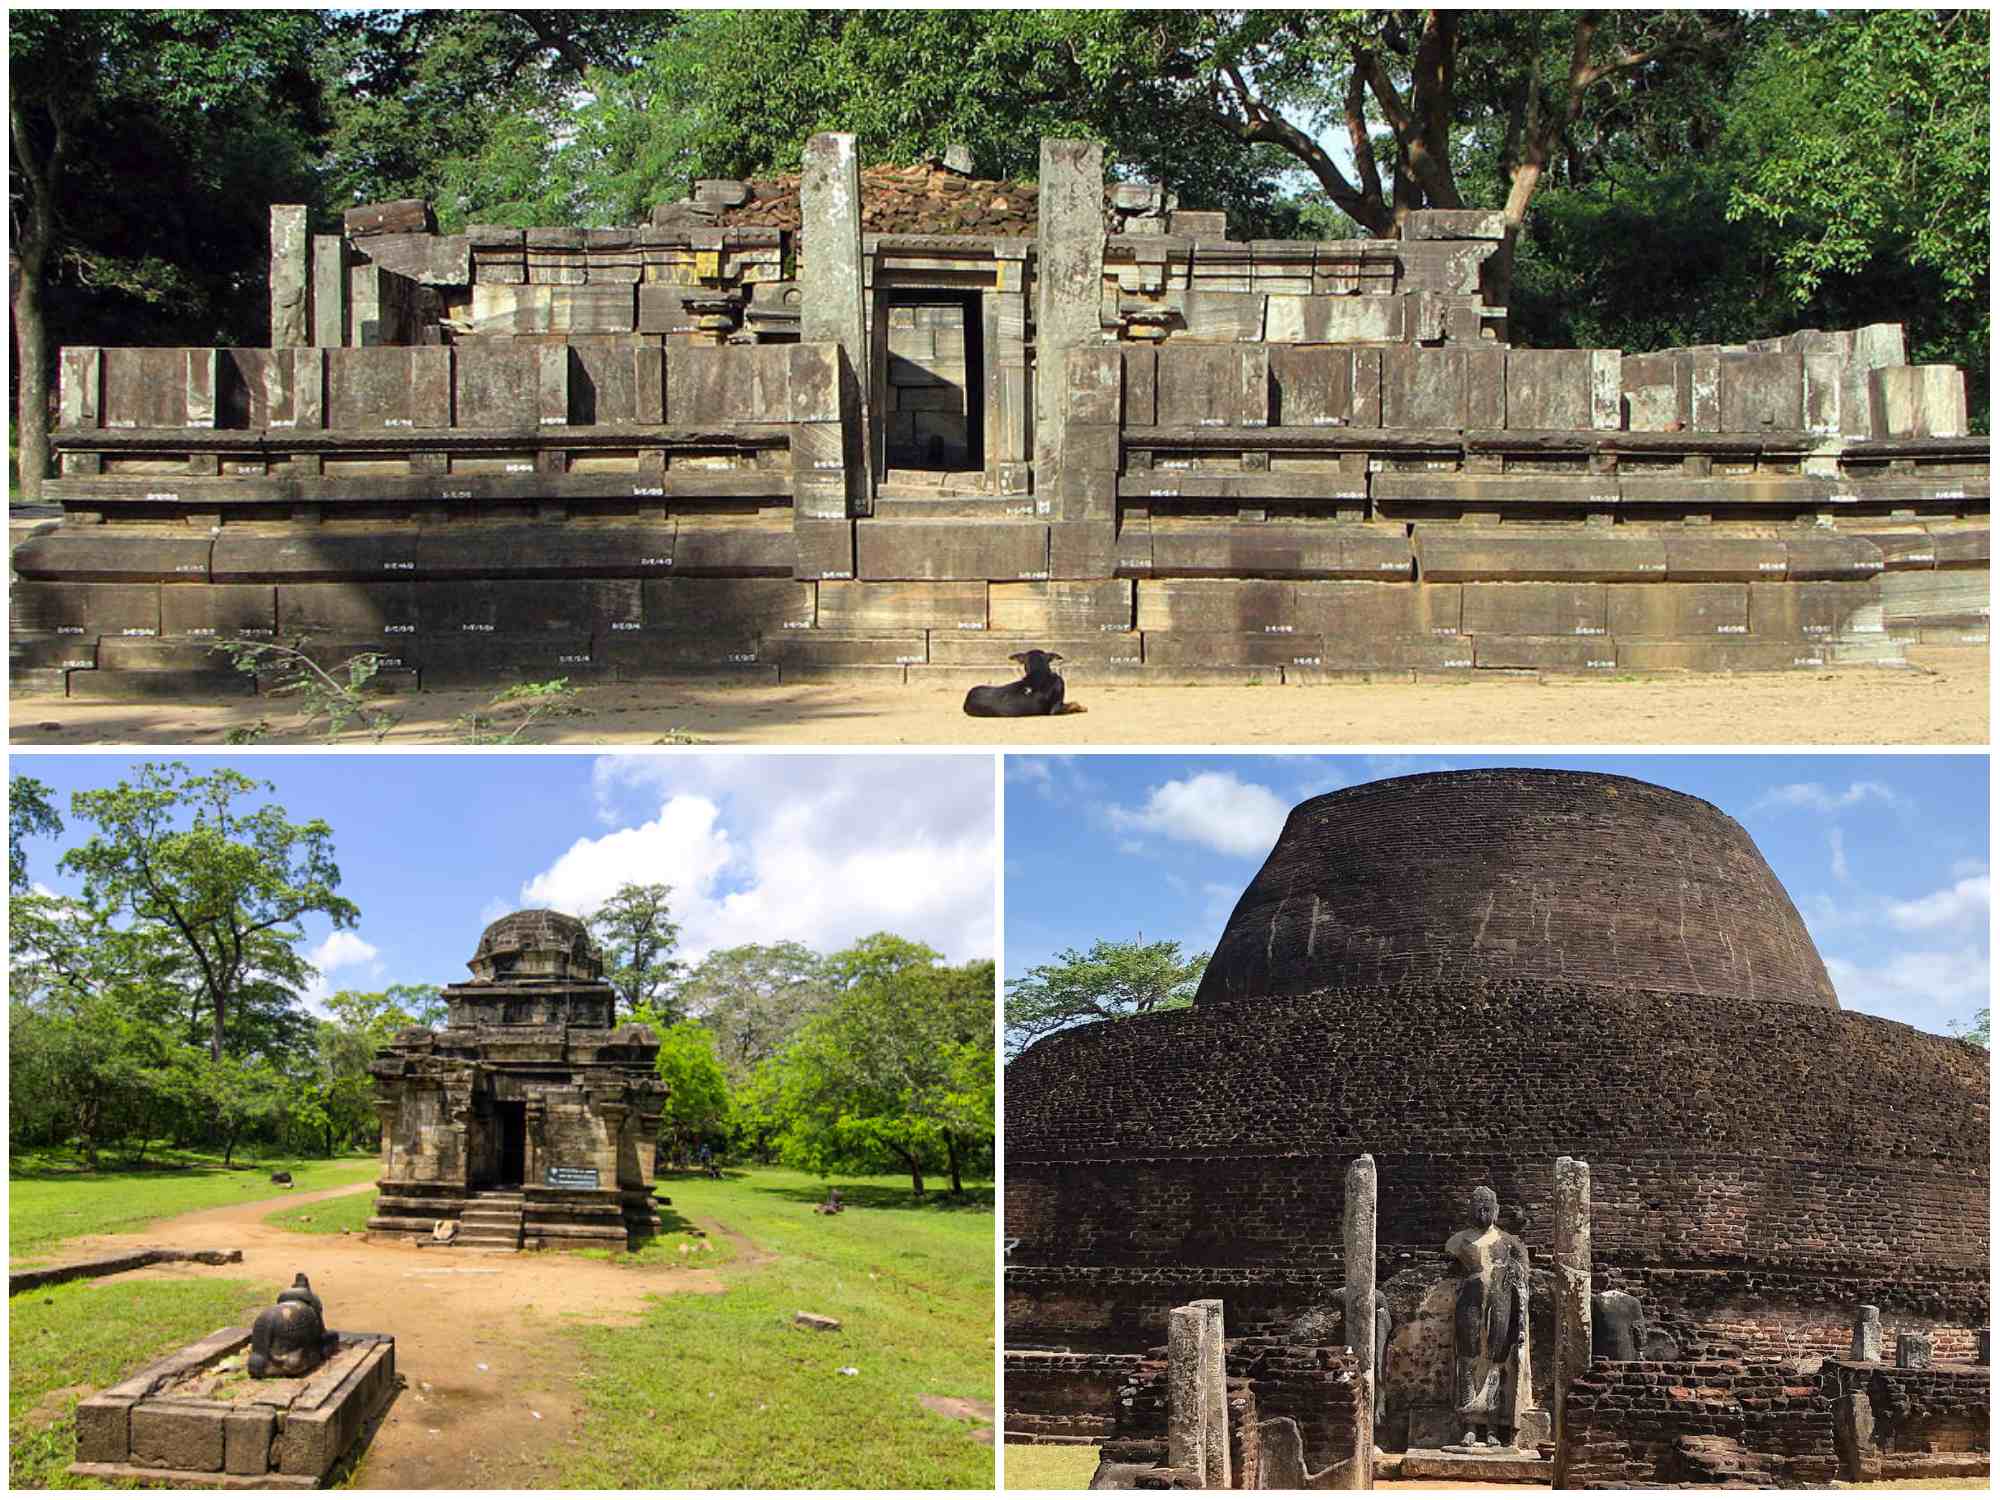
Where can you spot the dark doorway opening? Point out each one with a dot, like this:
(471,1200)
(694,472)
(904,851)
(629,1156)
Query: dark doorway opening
(512,1122)
(936,408)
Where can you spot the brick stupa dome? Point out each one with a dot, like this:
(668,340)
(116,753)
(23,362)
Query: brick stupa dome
(529,945)
(1468,975)
(1512,874)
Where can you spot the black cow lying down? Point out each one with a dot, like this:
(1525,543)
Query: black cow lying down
(1038,691)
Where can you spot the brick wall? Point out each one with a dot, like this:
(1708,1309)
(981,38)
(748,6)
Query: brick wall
(1757,1166)
(1063,1397)
(1698,1422)
(1514,873)
(1654,1424)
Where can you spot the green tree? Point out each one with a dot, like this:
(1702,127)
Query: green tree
(146,145)
(753,998)
(636,930)
(1112,981)
(221,889)
(697,1091)
(887,1073)
(31,813)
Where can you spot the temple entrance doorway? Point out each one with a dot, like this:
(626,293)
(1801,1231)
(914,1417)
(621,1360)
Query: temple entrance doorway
(511,1120)
(934,414)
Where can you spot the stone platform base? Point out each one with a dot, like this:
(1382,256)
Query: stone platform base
(1502,1465)
(196,1418)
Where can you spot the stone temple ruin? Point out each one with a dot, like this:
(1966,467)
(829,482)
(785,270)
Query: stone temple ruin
(900,425)
(530,1121)
(1591,996)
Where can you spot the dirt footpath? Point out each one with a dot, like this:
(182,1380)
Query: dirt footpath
(489,1398)
(1940,699)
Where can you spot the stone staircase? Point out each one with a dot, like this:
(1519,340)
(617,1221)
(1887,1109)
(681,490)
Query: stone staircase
(492,1221)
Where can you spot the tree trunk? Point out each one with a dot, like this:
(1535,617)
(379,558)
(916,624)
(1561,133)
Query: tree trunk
(916,1171)
(951,1160)
(31,334)
(215,1037)
(228,1149)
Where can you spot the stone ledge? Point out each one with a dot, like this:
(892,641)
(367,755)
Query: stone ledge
(1508,1466)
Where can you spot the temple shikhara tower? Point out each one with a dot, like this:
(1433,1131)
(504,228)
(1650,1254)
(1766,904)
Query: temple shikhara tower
(530,1119)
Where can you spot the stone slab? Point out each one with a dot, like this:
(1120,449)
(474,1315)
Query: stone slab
(891,607)
(1542,653)
(1509,1467)
(1544,609)
(1448,554)
(951,550)
(1061,607)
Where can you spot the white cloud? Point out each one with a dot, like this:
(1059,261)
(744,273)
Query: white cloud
(1957,905)
(818,849)
(1213,809)
(336,951)
(1960,868)
(1927,988)
(1814,796)
(1839,847)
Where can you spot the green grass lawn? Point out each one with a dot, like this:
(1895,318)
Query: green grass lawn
(348,1215)
(48,1203)
(1050,1466)
(64,1342)
(723,1393)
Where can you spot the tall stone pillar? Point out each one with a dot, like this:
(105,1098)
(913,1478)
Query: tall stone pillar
(1076,485)
(1867,1343)
(329,291)
(1358,1256)
(1187,1424)
(833,310)
(1572,1351)
(288,275)
(1214,1397)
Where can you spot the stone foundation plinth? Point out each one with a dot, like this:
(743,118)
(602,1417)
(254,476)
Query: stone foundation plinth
(197,1418)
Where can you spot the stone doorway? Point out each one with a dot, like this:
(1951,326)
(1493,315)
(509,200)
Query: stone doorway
(933,418)
(511,1121)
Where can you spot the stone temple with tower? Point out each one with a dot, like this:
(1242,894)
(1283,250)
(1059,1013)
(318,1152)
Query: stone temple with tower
(531,1119)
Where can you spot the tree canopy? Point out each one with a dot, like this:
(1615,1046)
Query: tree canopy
(1112,981)
(636,930)
(1782,169)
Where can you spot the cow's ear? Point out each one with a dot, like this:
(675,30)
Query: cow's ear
(1054,656)
(1019,656)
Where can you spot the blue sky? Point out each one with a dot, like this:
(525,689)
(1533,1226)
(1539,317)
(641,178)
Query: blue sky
(1885,856)
(822,849)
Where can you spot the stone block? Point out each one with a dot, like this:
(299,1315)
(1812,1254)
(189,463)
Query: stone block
(547,309)
(85,609)
(1721,655)
(115,554)
(1082,549)
(728,550)
(1803,610)
(1761,393)
(1830,555)
(1347,612)
(315,554)
(1910,401)
(383,610)
(1867,1341)
(995,550)
(1694,558)
(1221,648)
(1534,609)
(1913,1351)
(1061,607)
(1549,389)
(1952,596)
(288,275)
(729,606)
(1423,388)
(1543,653)
(329,291)
(51,653)
(246,1441)
(1678,609)
(1224,606)
(822,548)
(991,648)
(1447,554)
(184,1435)
(103,1429)
(864,607)
(399,216)
(818,648)
(1332,320)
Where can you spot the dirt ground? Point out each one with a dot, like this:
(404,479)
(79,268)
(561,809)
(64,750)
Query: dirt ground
(488,1402)
(1941,698)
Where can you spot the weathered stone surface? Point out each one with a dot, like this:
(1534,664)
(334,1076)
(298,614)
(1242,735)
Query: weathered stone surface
(246,1441)
(1069,272)
(1913,1351)
(997,550)
(1358,1221)
(1918,401)
(1867,1342)
(178,1434)
(815,1322)
(553,1112)
(1187,1407)
(399,216)
(329,291)
(1572,1351)
(1061,608)
(288,275)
